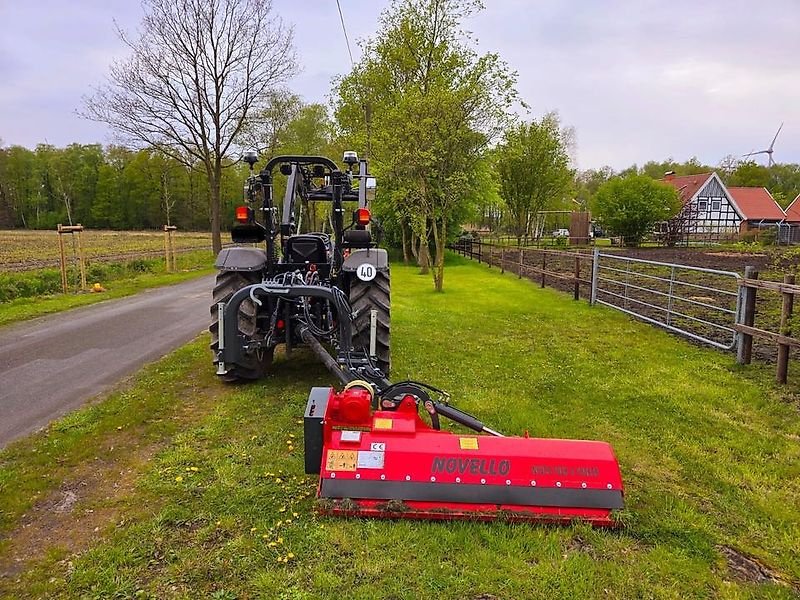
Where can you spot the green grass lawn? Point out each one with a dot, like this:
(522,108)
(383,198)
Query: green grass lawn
(196,489)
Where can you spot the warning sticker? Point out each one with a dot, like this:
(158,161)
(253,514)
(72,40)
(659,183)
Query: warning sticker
(351,436)
(370,460)
(341,460)
(468,443)
(381,423)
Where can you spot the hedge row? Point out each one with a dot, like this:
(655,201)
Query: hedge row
(28,284)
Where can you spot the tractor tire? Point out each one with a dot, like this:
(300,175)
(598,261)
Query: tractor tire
(364,297)
(255,365)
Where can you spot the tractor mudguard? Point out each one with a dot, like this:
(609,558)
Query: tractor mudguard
(241,259)
(377,257)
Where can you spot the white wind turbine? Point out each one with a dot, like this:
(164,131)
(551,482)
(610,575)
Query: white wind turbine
(769,150)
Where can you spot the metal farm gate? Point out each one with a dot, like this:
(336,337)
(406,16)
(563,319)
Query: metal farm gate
(699,303)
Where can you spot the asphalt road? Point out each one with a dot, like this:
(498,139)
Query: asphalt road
(54,364)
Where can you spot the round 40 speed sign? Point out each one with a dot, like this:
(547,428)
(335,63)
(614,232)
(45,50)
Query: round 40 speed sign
(366,272)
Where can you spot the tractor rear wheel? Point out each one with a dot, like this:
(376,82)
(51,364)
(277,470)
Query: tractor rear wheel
(366,296)
(254,365)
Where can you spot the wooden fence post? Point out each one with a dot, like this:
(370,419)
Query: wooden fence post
(786,315)
(744,352)
(577,291)
(63,259)
(491,255)
(519,270)
(72,230)
(544,266)
(502,259)
(81,260)
(172,249)
(166,250)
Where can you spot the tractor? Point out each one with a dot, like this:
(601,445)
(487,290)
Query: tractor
(312,288)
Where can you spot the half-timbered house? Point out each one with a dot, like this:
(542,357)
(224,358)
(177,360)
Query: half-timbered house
(713,212)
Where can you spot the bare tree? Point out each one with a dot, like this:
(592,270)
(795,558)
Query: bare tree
(196,72)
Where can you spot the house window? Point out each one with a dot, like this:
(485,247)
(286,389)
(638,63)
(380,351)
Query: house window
(702,205)
(715,205)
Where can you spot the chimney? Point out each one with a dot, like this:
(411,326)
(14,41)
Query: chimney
(669,175)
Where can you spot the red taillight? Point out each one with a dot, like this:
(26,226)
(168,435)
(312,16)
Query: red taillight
(280,324)
(362,216)
(242,214)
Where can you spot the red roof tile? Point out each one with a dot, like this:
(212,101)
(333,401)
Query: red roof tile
(793,210)
(687,185)
(756,203)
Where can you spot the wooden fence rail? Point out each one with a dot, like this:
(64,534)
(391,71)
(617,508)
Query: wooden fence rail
(541,269)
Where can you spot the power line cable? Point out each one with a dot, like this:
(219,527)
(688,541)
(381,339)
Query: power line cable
(344,30)
(367,108)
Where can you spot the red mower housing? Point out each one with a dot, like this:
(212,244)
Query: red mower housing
(392,464)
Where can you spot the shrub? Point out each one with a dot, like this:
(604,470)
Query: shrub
(630,206)
(28,284)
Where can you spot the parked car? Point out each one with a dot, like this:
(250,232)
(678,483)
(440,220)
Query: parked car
(561,233)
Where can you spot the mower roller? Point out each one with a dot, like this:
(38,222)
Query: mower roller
(374,453)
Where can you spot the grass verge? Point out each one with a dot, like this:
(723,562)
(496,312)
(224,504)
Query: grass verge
(218,506)
(121,280)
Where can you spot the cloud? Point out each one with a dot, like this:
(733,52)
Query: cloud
(647,80)
(639,80)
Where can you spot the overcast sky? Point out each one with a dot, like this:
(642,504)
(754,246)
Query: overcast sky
(638,79)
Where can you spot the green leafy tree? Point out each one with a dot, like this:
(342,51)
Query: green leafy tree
(749,174)
(533,169)
(784,182)
(426,105)
(656,169)
(630,206)
(19,186)
(589,181)
(309,132)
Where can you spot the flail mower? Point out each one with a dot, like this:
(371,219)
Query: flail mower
(378,446)
(377,457)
